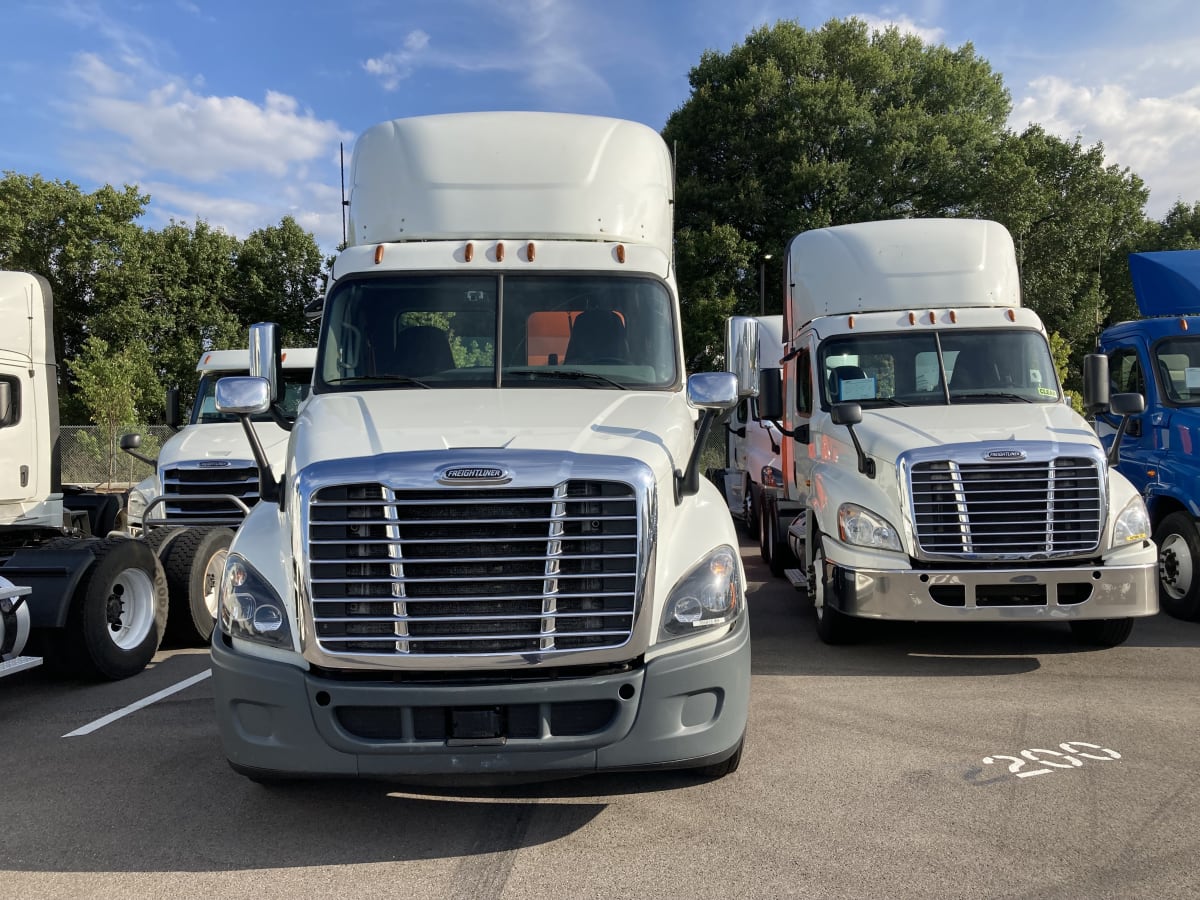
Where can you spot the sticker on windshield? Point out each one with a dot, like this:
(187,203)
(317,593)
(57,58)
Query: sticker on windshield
(1047,392)
(1035,376)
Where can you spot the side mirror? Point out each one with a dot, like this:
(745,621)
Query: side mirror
(712,390)
(131,442)
(741,353)
(845,413)
(770,394)
(265,359)
(1095,383)
(173,416)
(1127,404)
(245,396)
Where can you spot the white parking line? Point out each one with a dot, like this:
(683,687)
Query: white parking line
(134,707)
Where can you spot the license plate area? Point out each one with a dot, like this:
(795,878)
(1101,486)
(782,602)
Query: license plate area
(475,725)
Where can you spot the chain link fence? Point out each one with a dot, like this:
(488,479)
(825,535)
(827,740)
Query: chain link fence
(86,459)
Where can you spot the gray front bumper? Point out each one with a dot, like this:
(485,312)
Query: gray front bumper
(679,710)
(996,595)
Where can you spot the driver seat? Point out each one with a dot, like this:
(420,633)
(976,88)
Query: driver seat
(597,335)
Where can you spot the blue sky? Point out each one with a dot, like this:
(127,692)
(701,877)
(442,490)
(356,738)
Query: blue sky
(232,112)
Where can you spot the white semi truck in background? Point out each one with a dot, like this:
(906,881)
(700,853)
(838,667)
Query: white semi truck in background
(206,481)
(90,602)
(490,549)
(933,470)
(751,440)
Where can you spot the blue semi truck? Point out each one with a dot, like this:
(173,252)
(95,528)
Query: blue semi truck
(1158,357)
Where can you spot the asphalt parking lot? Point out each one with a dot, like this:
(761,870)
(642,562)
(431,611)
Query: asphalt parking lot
(948,761)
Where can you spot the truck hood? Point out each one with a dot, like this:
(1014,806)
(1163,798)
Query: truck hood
(655,427)
(886,433)
(222,440)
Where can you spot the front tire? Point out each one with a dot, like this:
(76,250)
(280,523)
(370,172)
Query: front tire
(833,625)
(1178,566)
(194,563)
(119,611)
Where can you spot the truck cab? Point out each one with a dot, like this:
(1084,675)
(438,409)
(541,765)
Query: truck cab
(1159,357)
(498,556)
(934,470)
(751,440)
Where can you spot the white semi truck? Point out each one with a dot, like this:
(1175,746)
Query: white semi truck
(490,549)
(205,482)
(94,603)
(933,470)
(751,440)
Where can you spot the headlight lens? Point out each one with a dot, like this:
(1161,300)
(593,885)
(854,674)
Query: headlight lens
(865,529)
(1133,524)
(710,594)
(137,505)
(250,608)
(771,477)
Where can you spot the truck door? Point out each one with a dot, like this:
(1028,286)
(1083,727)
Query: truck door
(17,436)
(1139,457)
(798,410)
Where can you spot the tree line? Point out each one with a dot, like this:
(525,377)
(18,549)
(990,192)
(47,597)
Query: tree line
(792,129)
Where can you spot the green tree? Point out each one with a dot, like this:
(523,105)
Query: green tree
(797,129)
(277,275)
(107,384)
(78,241)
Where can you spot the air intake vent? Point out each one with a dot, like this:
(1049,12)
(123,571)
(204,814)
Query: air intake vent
(1003,510)
(473,571)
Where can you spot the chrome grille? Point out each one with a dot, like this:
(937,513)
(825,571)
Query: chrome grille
(220,495)
(1029,508)
(473,571)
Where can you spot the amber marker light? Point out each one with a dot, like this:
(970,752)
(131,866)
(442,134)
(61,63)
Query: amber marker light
(912,318)
(953,317)
(1012,315)
(932,317)
(620,253)
(207,358)
(1183,323)
(500,252)
(379,254)
(850,321)
(530,252)
(469,252)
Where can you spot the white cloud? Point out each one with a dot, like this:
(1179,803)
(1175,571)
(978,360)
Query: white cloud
(551,44)
(1154,136)
(904,24)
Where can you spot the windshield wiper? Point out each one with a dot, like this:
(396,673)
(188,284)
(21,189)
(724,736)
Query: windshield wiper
(988,395)
(383,376)
(567,374)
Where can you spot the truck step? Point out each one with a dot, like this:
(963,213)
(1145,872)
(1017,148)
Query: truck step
(19,664)
(796,577)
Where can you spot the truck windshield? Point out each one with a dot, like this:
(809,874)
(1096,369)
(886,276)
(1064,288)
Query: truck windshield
(1178,363)
(297,383)
(938,367)
(424,331)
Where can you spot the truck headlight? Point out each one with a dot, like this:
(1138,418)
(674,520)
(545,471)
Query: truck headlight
(710,594)
(250,608)
(136,508)
(1133,524)
(865,529)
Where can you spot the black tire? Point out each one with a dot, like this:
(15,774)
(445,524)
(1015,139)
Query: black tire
(725,767)
(193,562)
(750,514)
(775,560)
(833,626)
(160,538)
(766,511)
(1178,566)
(1101,632)
(118,614)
